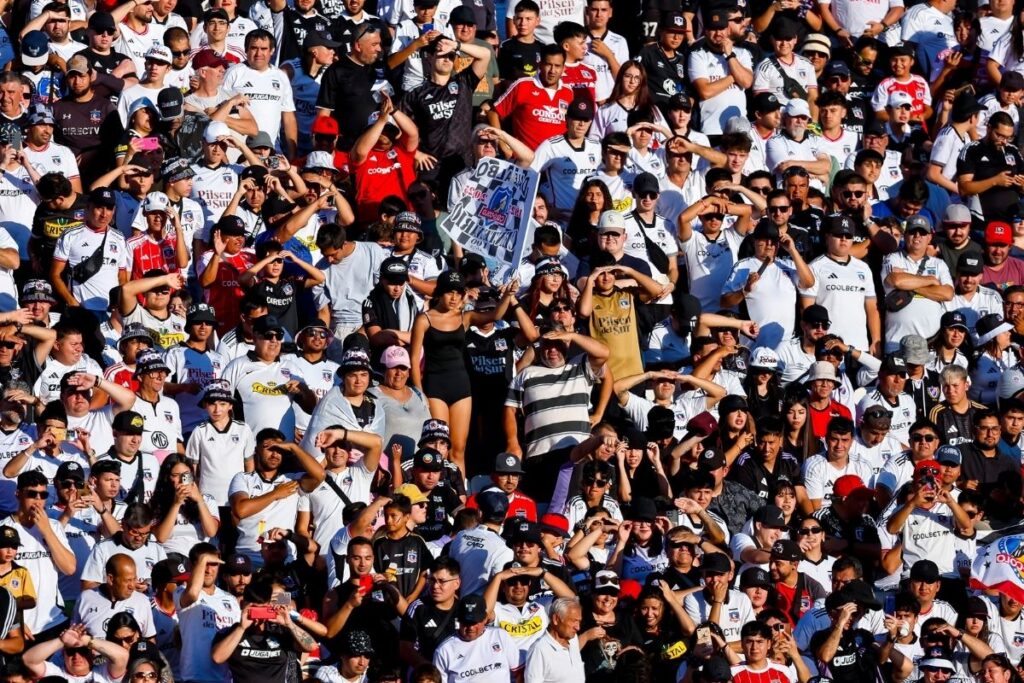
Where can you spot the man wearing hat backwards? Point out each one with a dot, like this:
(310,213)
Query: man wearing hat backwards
(842,649)
(478,653)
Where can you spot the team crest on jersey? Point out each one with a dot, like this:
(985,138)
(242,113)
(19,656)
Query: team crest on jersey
(168,252)
(592,158)
(1018,639)
(392,154)
(624,303)
(95,116)
(328,376)
(453,88)
(187,216)
(113,247)
(496,647)
(933,393)
(860,276)
(734,616)
(412,556)
(500,345)
(287,289)
(55,159)
(276,84)
(168,416)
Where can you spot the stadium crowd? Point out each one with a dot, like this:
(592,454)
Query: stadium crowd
(747,406)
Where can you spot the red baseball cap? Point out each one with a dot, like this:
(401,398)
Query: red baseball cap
(998,232)
(927,465)
(555,524)
(325,125)
(850,485)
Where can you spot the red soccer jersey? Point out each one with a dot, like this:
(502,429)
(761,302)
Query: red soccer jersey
(119,373)
(225,294)
(148,254)
(536,113)
(521,505)
(820,418)
(916,87)
(773,673)
(380,175)
(582,79)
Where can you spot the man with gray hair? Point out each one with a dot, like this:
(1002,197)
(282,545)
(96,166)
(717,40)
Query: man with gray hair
(555,657)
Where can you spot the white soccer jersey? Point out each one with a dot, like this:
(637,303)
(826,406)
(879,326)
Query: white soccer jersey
(855,15)
(325,505)
(716,111)
(47,386)
(983,302)
(167,332)
(877,456)
(736,611)
(781,148)
(136,45)
(992,105)
(904,413)
(132,93)
(219,456)
(198,624)
(12,443)
(163,427)
(605,80)
(79,244)
(94,609)
(189,366)
(922,315)
(819,475)
(768,78)
(494,657)
(145,557)
(525,624)
(34,555)
(213,188)
(708,264)
(261,388)
(269,93)
(946,151)
(99,425)
(772,302)
(53,158)
(280,513)
(843,288)
(565,168)
(840,148)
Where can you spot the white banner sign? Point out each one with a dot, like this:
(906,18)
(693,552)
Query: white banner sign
(492,216)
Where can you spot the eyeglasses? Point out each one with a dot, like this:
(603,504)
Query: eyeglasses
(181,53)
(441,581)
(137,533)
(778,209)
(927,438)
(125,639)
(450,56)
(809,530)
(590,481)
(144,676)
(8,345)
(560,309)
(161,290)
(647,195)
(38,495)
(77,651)
(865,62)
(853,194)
(272,336)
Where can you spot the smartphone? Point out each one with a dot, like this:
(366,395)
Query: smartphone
(283,598)
(187,478)
(273,162)
(59,433)
(703,635)
(262,613)
(427,28)
(365,584)
(83,490)
(16,139)
(148,144)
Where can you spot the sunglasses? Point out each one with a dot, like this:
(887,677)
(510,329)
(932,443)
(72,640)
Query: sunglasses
(819,326)
(8,345)
(180,53)
(69,483)
(778,209)
(107,32)
(161,290)
(713,217)
(590,481)
(810,530)
(648,195)
(676,545)
(905,107)
(558,309)
(80,651)
(927,438)
(278,260)
(144,676)
(761,190)
(865,62)
(517,581)
(853,194)
(928,471)
(272,336)
(319,334)
(38,495)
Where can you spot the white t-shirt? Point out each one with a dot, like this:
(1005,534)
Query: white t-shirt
(94,609)
(280,513)
(325,506)
(552,13)
(219,456)
(198,624)
(163,427)
(709,264)
(77,245)
(47,386)
(839,149)
(842,289)
(34,555)
(772,302)
(565,168)
(605,80)
(946,151)
(716,112)
(855,15)
(269,93)
(213,188)
(261,388)
(133,93)
(492,658)
(549,662)
(189,366)
(736,611)
(922,315)
(904,413)
(768,78)
(819,475)
(145,557)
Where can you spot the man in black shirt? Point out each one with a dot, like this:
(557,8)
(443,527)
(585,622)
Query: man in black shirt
(846,653)
(346,92)
(431,619)
(299,24)
(760,467)
(992,169)
(60,209)
(442,500)
(85,119)
(664,60)
(983,463)
(100,55)
(442,107)
(520,55)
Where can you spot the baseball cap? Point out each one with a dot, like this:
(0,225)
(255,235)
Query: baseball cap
(611,221)
(472,610)
(953,319)
(175,169)
(948,455)
(877,417)
(408,221)
(1011,382)
(737,124)
(646,182)
(169,571)
(216,130)
(957,213)
(506,463)
(449,281)
(968,264)
(998,232)
(217,391)
(78,64)
(710,459)
(902,49)
(69,470)
(130,422)
(764,358)
(317,39)
(201,313)
(395,357)
(893,364)
(642,509)
(9,537)
(716,20)
(209,58)
(493,504)
(797,107)
(673,22)
(770,516)
(103,196)
(755,577)
(851,485)
(238,564)
(924,570)
(412,492)
(837,67)
(918,223)
(170,103)
(159,53)
(525,531)
(325,125)
(554,524)
(394,270)
(606,582)
(766,102)
(320,161)
(102,21)
(839,224)
(35,48)
(135,331)
(786,549)
(428,459)
(354,360)
(156,202)
(898,98)
(715,563)
(261,139)
(680,100)
(215,13)
(581,110)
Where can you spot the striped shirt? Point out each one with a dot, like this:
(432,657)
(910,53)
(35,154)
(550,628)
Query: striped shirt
(555,403)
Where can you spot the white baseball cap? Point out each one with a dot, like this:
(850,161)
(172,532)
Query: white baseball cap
(611,221)
(216,130)
(898,98)
(156,202)
(797,107)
